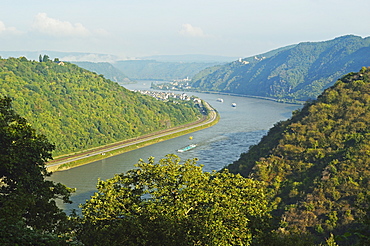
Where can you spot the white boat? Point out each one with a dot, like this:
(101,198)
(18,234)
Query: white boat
(233,104)
(189,147)
(220,100)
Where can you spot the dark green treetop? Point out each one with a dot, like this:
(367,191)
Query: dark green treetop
(173,203)
(28,213)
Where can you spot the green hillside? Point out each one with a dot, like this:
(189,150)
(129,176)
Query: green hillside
(78,109)
(317,163)
(296,72)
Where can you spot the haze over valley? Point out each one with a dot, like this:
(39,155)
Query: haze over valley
(185,123)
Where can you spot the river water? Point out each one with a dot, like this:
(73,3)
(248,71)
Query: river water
(217,146)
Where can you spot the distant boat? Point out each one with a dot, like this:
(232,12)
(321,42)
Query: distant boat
(189,147)
(233,104)
(220,100)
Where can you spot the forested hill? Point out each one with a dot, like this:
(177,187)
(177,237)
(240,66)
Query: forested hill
(78,109)
(317,162)
(296,72)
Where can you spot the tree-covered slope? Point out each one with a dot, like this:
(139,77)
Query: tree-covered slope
(150,69)
(317,163)
(78,109)
(105,68)
(297,72)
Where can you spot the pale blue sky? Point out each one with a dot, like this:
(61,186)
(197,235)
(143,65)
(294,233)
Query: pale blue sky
(134,28)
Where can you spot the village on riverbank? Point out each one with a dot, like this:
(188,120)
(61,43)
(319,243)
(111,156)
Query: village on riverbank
(166,95)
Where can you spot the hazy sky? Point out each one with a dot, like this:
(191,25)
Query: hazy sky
(134,28)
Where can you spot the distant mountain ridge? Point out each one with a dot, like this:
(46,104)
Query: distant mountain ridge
(190,58)
(107,69)
(124,69)
(296,72)
(99,57)
(155,70)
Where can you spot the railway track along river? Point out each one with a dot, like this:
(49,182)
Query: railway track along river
(205,121)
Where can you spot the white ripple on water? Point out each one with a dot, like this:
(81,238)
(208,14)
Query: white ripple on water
(223,150)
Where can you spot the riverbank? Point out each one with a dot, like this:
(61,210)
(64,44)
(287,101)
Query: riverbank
(96,154)
(294,102)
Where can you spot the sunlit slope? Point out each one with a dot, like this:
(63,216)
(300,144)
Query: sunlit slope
(317,163)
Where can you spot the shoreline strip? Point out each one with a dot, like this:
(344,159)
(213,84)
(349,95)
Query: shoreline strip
(113,149)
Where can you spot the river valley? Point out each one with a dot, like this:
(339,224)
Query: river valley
(217,146)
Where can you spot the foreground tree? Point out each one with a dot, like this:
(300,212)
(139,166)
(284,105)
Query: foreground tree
(28,212)
(169,203)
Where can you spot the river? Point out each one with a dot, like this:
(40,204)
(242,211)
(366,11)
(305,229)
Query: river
(217,146)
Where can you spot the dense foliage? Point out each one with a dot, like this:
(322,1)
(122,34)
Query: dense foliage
(105,68)
(78,109)
(173,203)
(317,163)
(28,213)
(306,183)
(297,72)
(155,70)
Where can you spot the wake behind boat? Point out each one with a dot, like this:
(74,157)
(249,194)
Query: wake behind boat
(189,147)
